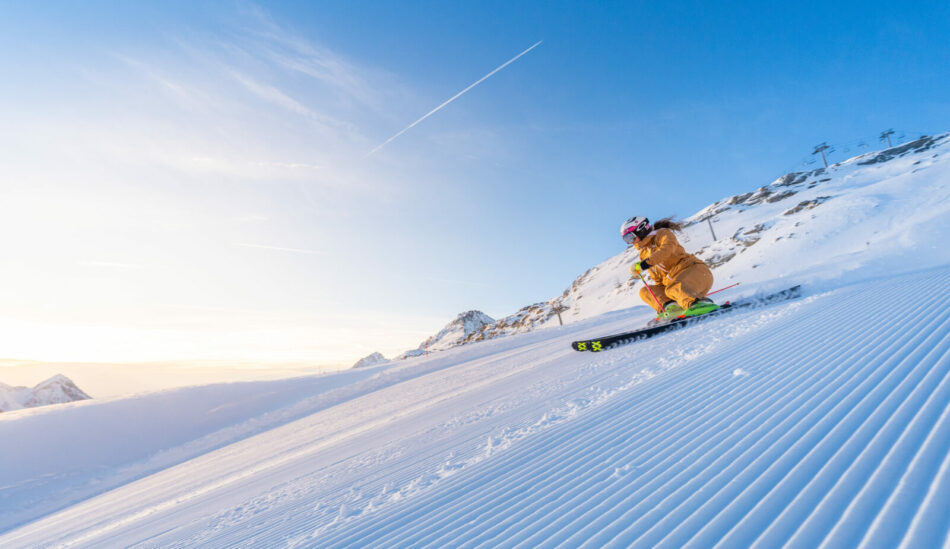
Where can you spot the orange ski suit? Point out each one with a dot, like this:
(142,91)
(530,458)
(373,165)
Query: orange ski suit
(680,277)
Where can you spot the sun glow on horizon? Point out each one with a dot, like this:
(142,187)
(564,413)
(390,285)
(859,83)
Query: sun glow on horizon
(294,339)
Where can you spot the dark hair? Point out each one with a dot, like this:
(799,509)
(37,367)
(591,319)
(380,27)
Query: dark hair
(670,223)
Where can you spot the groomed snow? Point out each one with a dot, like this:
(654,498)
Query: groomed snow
(54,456)
(836,432)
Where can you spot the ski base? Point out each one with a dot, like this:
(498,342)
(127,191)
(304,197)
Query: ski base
(607,342)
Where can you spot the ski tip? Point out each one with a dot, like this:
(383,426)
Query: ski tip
(593,345)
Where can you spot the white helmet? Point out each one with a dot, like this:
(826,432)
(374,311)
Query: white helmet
(635,227)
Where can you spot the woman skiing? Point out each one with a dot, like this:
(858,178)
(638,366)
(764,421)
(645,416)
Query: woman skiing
(682,279)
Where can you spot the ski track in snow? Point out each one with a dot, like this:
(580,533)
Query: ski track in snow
(806,454)
(823,421)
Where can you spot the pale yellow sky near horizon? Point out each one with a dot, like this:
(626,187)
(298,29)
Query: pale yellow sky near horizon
(263,339)
(114,380)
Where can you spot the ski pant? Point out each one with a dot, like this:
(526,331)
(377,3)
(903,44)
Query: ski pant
(688,286)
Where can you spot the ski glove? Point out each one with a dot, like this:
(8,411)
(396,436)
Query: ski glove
(641,266)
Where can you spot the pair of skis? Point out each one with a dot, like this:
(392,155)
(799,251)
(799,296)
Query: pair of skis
(611,341)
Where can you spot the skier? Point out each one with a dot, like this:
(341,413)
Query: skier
(682,279)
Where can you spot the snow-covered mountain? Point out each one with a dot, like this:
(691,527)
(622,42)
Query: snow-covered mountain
(58,389)
(454,333)
(853,211)
(838,207)
(370,360)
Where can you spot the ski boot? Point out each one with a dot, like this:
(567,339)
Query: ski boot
(701,306)
(671,311)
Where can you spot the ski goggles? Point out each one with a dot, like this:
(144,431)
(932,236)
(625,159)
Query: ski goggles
(630,236)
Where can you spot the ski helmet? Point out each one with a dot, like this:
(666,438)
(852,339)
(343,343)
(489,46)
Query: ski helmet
(637,227)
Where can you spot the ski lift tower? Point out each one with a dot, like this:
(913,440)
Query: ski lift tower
(559,308)
(820,149)
(886,136)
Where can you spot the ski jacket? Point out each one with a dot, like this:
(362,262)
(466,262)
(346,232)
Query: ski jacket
(666,256)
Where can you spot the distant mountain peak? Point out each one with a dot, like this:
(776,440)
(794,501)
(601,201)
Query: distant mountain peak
(58,379)
(58,389)
(370,360)
(471,321)
(454,333)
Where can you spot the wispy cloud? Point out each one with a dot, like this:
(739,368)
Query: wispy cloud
(295,53)
(277,248)
(112,265)
(289,165)
(266,128)
(273,95)
(453,98)
(252,218)
(178,89)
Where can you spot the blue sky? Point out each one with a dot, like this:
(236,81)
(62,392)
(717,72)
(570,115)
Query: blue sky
(188,180)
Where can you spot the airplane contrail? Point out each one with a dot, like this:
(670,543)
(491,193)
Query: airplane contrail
(453,98)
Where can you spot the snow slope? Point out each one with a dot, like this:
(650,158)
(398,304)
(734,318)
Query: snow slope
(879,212)
(57,455)
(824,420)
